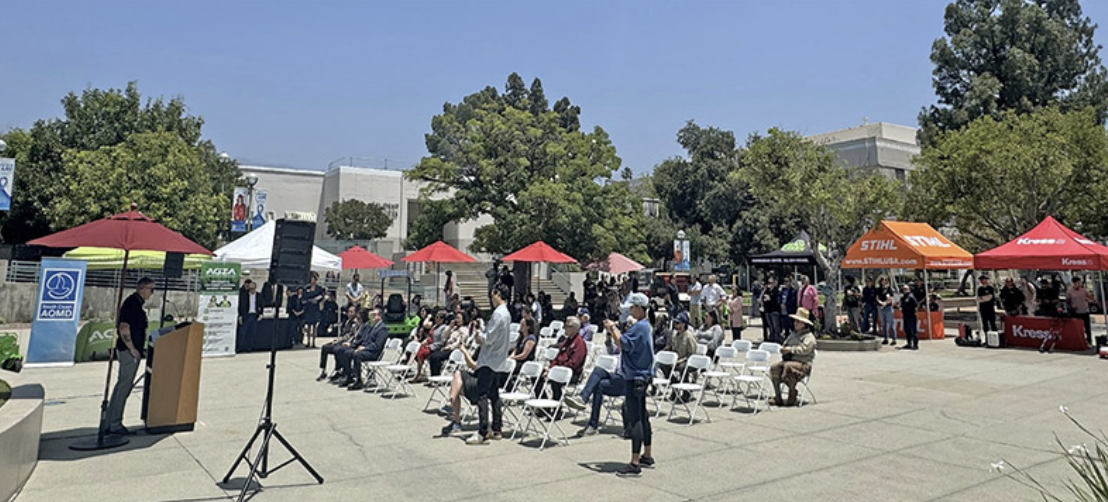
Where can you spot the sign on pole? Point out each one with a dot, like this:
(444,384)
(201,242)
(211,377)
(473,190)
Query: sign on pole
(7,180)
(239,210)
(219,306)
(61,288)
(260,197)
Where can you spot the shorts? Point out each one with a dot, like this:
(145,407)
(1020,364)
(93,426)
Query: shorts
(469,387)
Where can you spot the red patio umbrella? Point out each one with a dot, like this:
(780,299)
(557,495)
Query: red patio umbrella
(358,258)
(130,231)
(439,252)
(617,264)
(539,252)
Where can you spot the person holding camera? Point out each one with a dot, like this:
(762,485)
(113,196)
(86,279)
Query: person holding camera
(797,354)
(637,367)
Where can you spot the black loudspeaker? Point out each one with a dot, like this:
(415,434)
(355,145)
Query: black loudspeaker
(292,252)
(174,265)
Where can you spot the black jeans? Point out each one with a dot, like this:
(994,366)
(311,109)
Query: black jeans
(436,359)
(326,350)
(1088,326)
(736,334)
(911,335)
(638,419)
(488,395)
(988,320)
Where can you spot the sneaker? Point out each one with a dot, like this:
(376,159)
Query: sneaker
(589,431)
(446,410)
(121,431)
(575,403)
(356,386)
(893,344)
(477,440)
(884,342)
(495,436)
(647,462)
(630,470)
(451,428)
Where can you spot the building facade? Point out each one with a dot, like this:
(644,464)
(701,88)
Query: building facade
(880,147)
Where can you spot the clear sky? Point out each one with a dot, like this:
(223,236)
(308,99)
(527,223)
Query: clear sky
(303,83)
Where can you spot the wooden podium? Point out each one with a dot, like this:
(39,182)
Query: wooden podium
(173,386)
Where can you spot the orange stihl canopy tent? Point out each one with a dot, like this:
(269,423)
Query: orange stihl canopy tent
(899,244)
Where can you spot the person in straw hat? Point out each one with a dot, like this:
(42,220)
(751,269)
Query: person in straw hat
(797,354)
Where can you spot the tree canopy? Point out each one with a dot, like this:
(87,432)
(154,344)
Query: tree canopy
(110,149)
(356,220)
(1016,55)
(997,178)
(532,169)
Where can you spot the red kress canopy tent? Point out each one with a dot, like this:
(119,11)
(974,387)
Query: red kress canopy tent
(1048,246)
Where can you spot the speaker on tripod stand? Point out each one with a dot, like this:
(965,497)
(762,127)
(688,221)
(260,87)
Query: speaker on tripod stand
(289,266)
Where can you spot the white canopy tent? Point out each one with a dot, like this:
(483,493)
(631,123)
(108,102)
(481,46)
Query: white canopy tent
(255,249)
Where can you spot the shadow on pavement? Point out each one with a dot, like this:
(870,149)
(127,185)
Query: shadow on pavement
(55,445)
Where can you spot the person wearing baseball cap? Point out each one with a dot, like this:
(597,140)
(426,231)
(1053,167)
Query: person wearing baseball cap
(588,329)
(637,368)
(797,355)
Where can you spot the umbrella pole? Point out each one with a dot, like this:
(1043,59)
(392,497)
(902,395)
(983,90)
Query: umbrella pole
(1103,301)
(437,265)
(927,304)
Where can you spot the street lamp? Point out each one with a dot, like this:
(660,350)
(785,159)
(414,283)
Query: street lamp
(251,181)
(3,145)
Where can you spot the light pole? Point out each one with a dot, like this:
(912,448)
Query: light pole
(3,146)
(251,180)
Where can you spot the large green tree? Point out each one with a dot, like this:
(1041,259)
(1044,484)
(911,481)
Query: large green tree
(532,169)
(1018,55)
(150,145)
(999,177)
(353,219)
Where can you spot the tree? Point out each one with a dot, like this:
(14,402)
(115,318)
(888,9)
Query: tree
(532,170)
(353,219)
(797,180)
(99,119)
(1016,55)
(996,178)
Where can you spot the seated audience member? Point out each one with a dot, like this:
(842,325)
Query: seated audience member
(345,352)
(662,331)
(797,354)
(710,333)
(433,342)
(524,349)
(571,354)
(588,329)
(682,342)
(456,336)
(345,336)
(464,384)
(369,350)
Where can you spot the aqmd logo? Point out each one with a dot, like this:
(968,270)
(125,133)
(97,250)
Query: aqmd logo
(59,295)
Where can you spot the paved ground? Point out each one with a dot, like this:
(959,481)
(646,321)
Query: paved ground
(892,425)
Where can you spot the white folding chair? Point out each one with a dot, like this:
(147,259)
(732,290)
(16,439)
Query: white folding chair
(531,407)
(548,354)
(373,369)
(661,383)
(612,403)
(721,374)
(806,382)
(513,328)
(557,325)
(443,380)
(522,390)
(757,369)
(698,364)
(513,337)
(546,337)
(774,349)
(398,373)
(701,349)
(738,365)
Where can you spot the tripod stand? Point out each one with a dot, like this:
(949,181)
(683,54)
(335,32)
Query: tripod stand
(267,430)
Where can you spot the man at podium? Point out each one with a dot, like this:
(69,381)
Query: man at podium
(130,347)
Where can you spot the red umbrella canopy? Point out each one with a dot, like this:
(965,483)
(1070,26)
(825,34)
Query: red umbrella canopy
(619,264)
(439,252)
(131,231)
(357,257)
(539,252)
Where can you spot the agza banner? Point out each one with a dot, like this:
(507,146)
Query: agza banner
(61,289)
(239,210)
(7,180)
(260,197)
(219,306)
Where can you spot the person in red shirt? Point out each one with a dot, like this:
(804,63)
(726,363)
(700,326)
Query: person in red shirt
(571,354)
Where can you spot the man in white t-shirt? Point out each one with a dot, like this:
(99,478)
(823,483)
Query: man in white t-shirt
(355,293)
(712,294)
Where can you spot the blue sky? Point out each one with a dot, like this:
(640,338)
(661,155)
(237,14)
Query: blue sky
(302,83)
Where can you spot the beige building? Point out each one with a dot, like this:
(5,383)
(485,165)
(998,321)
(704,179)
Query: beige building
(883,147)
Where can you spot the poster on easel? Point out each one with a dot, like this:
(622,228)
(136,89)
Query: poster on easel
(219,299)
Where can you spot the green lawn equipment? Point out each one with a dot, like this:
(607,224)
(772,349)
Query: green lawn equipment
(398,320)
(9,353)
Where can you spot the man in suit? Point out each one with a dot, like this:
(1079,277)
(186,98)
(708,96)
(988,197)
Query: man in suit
(369,348)
(250,309)
(273,294)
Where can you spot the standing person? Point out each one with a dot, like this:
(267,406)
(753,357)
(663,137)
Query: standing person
(448,288)
(771,310)
(808,297)
(1048,298)
(908,307)
(712,295)
(869,307)
(508,281)
(787,299)
(756,300)
(1079,299)
(1011,298)
(330,317)
(637,368)
(492,362)
(570,306)
(249,310)
(852,304)
(735,310)
(885,299)
(1029,295)
(355,292)
(273,296)
(312,300)
(492,277)
(673,297)
(536,308)
(986,300)
(296,314)
(130,347)
(695,289)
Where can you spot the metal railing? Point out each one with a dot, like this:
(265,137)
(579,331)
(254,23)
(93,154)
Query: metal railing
(27,272)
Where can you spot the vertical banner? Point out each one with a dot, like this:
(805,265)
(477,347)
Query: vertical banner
(61,287)
(7,181)
(680,254)
(260,197)
(238,210)
(219,306)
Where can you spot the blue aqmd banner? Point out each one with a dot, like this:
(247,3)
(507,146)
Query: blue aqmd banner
(61,287)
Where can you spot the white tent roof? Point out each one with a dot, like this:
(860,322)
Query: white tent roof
(255,249)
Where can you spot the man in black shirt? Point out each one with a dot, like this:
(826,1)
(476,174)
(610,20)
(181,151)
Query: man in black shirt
(986,300)
(852,304)
(771,311)
(869,307)
(908,306)
(1011,298)
(130,346)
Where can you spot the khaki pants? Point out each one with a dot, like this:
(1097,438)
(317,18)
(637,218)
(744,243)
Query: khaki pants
(789,372)
(694,314)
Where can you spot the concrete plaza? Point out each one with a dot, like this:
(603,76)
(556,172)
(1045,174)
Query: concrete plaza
(891,425)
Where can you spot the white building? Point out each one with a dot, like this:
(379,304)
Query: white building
(883,147)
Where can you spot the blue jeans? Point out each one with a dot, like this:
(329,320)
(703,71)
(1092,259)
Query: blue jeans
(600,384)
(888,329)
(869,315)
